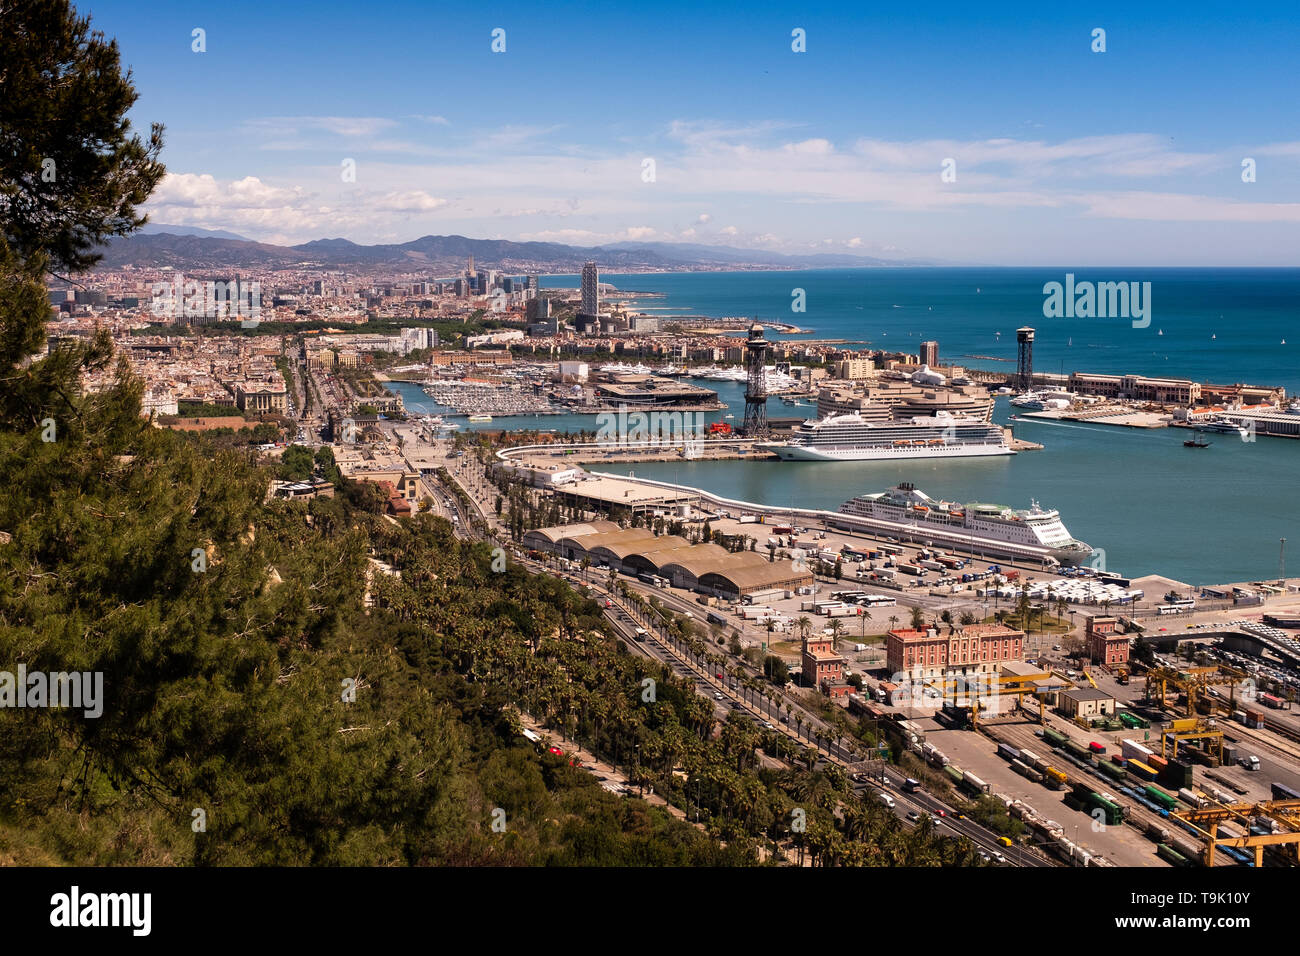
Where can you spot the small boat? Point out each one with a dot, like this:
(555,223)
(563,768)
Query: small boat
(1193,443)
(480,418)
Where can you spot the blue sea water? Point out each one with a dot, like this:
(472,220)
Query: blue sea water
(1200,516)
(1218,325)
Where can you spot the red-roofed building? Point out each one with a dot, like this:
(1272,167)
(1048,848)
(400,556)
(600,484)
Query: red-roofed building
(968,649)
(1105,645)
(822,667)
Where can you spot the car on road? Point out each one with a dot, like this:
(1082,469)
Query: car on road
(913,815)
(997,855)
(767,725)
(718,675)
(785,718)
(1005,841)
(717,696)
(555,750)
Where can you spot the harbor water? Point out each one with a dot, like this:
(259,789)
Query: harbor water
(1201,516)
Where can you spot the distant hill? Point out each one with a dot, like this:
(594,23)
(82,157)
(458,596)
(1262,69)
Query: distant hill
(159,245)
(156,227)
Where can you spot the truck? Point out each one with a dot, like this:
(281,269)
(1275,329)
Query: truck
(953,564)
(1011,574)
(748,519)
(1250,762)
(912,569)
(933,565)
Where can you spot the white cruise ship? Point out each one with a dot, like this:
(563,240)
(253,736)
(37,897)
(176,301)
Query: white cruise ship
(904,507)
(853,438)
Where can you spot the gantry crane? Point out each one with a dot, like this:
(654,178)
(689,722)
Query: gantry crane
(1190,728)
(1011,685)
(1206,822)
(1193,681)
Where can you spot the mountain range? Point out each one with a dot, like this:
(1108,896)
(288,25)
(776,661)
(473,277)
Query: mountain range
(187,247)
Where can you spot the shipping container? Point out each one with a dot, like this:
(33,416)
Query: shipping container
(1159,797)
(1131,749)
(1190,798)
(1032,759)
(953,772)
(972,782)
(912,569)
(1007,752)
(1113,771)
(1139,769)
(1097,748)
(1170,855)
(1283,792)
(1077,750)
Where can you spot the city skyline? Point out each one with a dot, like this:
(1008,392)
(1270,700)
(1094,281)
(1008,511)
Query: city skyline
(1060,154)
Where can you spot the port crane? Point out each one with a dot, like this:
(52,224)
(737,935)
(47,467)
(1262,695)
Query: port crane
(1191,728)
(1194,682)
(1010,685)
(1207,820)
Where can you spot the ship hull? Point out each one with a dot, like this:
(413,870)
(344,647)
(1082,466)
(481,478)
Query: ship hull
(885,453)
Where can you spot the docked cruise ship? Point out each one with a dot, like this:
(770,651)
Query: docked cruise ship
(975,526)
(854,438)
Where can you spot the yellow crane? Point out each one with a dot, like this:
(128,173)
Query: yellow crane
(1190,728)
(1207,820)
(1010,685)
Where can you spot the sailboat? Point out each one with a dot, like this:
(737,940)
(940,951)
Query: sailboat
(1160,332)
(1213,336)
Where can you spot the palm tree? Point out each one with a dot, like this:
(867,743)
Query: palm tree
(805,625)
(836,627)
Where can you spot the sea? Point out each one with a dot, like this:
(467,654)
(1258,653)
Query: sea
(1199,516)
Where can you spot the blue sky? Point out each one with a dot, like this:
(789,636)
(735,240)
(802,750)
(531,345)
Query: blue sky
(1062,155)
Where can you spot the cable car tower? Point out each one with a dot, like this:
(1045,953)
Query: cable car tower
(756,388)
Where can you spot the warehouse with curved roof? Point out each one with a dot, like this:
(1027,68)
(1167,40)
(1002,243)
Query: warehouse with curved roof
(700,567)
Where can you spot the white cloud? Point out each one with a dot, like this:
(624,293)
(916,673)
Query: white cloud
(854,243)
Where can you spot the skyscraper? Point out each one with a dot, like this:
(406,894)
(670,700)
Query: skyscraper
(930,354)
(590,289)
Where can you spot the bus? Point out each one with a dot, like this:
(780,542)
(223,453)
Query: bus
(878,600)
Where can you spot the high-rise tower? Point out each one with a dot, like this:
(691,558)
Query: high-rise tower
(590,289)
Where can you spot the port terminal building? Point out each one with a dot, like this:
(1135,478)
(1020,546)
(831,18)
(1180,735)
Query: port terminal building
(706,568)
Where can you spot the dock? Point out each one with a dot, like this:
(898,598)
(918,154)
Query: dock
(1124,418)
